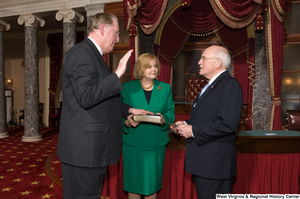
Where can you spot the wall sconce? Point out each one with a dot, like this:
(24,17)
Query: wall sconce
(8,83)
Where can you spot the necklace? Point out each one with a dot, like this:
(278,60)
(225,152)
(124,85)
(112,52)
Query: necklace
(145,88)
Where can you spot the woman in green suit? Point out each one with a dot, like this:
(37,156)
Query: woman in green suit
(144,144)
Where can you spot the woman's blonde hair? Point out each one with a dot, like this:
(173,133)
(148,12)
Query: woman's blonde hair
(143,63)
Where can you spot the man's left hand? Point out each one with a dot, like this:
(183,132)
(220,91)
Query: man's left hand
(185,130)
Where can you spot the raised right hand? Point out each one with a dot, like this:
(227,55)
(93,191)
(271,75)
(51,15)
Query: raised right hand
(123,64)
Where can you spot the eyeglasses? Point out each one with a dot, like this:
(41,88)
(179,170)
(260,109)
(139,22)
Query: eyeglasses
(205,58)
(116,33)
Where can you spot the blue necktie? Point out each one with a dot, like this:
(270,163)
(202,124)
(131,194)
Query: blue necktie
(203,90)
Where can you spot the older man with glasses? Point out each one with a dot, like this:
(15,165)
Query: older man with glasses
(210,131)
(90,135)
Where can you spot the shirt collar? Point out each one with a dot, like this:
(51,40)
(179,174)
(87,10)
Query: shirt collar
(98,47)
(215,77)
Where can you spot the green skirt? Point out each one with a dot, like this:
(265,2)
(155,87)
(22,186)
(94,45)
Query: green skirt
(143,169)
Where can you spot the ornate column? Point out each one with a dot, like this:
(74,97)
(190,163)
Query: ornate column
(91,10)
(31,78)
(70,18)
(3,133)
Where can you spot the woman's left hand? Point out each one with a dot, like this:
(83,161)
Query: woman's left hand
(162,119)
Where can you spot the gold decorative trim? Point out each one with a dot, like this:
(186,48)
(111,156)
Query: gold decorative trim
(269,50)
(171,75)
(276,11)
(258,1)
(251,73)
(250,31)
(245,49)
(232,67)
(146,26)
(128,24)
(270,62)
(279,8)
(165,19)
(218,3)
(136,46)
(179,50)
(195,34)
(249,116)
(148,29)
(220,39)
(272,118)
(160,54)
(134,6)
(131,11)
(229,20)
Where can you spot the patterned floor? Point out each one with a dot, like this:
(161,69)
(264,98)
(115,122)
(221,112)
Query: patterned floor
(22,165)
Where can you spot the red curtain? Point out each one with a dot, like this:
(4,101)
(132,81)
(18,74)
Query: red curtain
(226,18)
(178,26)
(177,182)
(267,173)
(275,37)
(150,13)
(243,61)
(235,13)
(55,44)
(147,14)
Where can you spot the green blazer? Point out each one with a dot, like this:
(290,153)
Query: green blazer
(147,135)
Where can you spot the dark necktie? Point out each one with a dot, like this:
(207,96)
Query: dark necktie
(104,58)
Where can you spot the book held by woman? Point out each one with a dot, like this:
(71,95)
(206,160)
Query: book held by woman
(147,118)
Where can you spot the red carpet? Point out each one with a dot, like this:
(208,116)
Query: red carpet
(22,166)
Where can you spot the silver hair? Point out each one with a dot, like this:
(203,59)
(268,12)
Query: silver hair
(223,54)
(101,18)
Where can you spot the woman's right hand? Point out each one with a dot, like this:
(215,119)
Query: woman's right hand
(130,122)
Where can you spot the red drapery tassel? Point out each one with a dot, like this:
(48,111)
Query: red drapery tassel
(259,22)
(133,27)
(264,6)
(186,3)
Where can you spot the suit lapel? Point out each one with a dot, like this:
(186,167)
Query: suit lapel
(154,94)
(208,90)
(100,59)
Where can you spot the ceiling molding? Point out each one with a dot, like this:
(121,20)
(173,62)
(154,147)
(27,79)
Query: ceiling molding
(21,7)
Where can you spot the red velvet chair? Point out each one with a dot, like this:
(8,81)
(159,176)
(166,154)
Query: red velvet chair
(194,84)
(292,120)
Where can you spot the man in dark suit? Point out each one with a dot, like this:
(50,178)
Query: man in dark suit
(90,136)
(210,131)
